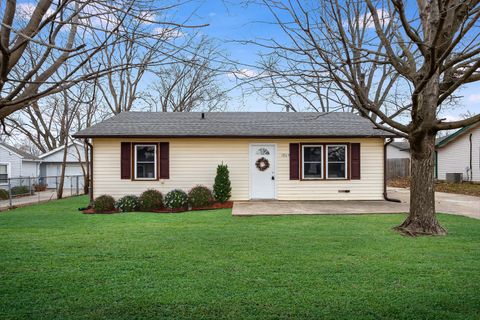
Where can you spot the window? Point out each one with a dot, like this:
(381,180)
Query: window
(336,161)
(312,161)
(145,162)
(3,173)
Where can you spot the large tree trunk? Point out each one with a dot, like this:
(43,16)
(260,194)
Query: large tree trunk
(422,219)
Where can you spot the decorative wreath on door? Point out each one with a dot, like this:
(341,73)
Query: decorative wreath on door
(262,164)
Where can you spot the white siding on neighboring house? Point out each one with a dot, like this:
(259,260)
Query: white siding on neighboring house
(454,157)
(194,161)
(30,168)
(395,153)
(13,161)
(52,164)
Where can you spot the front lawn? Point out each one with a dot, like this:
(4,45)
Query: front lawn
(56,263)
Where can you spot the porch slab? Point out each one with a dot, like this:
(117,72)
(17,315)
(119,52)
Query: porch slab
(447,203)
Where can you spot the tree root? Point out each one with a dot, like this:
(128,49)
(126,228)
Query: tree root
(415,229)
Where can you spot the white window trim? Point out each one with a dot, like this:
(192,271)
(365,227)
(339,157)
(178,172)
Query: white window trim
(155,161)
(8,172)
(345,161)
(303,162)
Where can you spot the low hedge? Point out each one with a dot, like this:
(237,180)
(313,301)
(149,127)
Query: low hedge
(3,194)
(20,190)
(151,200)
(176,199)
(104,203)
(200,196)
(128,203)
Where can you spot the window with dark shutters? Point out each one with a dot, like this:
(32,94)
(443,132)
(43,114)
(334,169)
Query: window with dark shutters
(164,160)
(355,162)
(294,161)
(126,160)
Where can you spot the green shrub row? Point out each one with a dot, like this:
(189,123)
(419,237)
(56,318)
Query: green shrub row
(16,191)
(152,200)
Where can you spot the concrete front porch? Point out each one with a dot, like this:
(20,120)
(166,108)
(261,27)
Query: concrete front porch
(445,202)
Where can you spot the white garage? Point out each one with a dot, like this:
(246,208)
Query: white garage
(51,166)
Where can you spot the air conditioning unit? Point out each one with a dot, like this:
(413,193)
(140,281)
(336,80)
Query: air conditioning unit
(454,177)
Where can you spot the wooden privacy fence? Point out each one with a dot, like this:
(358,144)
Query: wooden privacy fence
(398,168)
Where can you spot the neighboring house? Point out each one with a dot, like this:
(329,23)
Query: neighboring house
(51,165)
(16,163)
(398,150)
(284,156)
(459,153)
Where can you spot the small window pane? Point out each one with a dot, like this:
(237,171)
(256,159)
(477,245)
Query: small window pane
(312,154)
(336,170)
(312,170)
(3,169)
(145,153)
(336,153)
(146,170)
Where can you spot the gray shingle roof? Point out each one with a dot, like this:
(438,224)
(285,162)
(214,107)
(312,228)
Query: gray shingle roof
(401,145)
(25,155)
(234,124)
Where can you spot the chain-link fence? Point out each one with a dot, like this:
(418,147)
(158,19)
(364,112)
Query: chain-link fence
(25,190)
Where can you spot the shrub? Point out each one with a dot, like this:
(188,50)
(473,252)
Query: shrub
(128,203)
(3,194)
(104,203)
(176,199)
(151,200)
(20,190)
(200,196)
(222,189)
(39,187)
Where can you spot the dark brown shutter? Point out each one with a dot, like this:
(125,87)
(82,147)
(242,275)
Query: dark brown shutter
(294,161)
(126,160)
(355,162)
(164,160)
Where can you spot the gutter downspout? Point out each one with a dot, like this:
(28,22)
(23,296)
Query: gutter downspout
(471,155)
(385,196)
(90,182)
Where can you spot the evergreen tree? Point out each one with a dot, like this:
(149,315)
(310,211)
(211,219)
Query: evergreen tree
(221,188)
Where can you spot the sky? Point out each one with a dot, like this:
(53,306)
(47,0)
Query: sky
(231,20)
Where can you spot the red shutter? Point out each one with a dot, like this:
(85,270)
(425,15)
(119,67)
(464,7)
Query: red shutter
(294,161)
(164,160)
(126,160)
(355,162)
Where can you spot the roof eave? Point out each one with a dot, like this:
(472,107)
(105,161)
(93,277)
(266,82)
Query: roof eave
(83,136)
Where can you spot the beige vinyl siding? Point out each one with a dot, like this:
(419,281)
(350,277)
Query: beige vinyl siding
(194,161)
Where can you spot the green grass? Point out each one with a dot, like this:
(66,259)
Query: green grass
(56,263)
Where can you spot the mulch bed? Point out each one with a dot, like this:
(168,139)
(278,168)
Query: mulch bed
(215,206)
(467,188)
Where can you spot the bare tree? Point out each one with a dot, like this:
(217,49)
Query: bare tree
(191,83)
(395,66)
(37,39)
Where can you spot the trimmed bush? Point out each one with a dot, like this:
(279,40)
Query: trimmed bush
(222,189)
(176,199)
(151,200)
(200,196)
(3,194)
(104,203)
(20,190)
(39,187)
(128,203)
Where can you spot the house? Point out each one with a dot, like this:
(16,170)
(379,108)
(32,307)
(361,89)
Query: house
(398,150)
(51,164)
(16,163)
(459,153)
(270,155)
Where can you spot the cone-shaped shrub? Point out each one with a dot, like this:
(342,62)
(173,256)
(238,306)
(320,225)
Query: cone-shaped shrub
(222,189)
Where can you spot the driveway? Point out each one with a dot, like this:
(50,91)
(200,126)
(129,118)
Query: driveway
(445,202)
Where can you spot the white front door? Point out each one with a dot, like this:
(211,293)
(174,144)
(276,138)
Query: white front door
(262,171)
